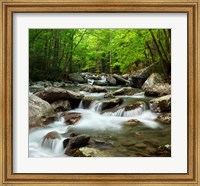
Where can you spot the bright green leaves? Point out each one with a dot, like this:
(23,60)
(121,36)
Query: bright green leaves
(60,51)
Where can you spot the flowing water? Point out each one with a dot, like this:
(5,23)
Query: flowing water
(109,131)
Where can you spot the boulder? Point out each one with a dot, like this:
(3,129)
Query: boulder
(106,104)
(71,117)
(124,110)
(100,82)
(132,122)
(93,76)
(164,118)
(152,80)
(75,142)
(140,76)
(125,76)
(51,94)
(40,112)
(164,151)
(79,141)
(93,89)
(65,142)
(89,152)
(76,77)
(52,135)
(120,80)
(124,91)
(108,95)
(86,102)
(61,105)
(161,104)
(158,90)
(111,81)
(133,106)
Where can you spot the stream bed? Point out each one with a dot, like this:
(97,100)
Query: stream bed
(108,131)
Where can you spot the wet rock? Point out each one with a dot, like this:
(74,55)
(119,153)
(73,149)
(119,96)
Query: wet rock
(164,118)
(89,152)
(158,90)
(93,89)
(111,103)
(75,142)
(164,151)
(71,117)
(73,134)
(124,91)
(52,135)
(127,110)
(132,122)
(79,141)
(108,95)
(61,105)
(86,102)
(161,104)
(93,76)
(139,77)
(51,94)
(65,142)
(125,76)
(100,83)
(76,77)
(153,80)
(133,106)
(120,80)
(40,112)
(111,81)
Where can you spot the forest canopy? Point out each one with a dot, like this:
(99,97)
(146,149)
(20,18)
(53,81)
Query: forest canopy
(54,53)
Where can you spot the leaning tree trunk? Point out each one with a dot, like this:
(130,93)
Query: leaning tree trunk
(163,63)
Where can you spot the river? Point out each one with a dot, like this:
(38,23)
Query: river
(109,131)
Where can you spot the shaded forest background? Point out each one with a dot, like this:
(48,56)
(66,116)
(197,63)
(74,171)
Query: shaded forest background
(54,53)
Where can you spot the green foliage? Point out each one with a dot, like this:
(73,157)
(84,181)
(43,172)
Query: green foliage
(55,52)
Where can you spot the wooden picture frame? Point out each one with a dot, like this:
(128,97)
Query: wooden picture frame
(8,7)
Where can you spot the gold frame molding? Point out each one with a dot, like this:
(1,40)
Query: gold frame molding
(9,7)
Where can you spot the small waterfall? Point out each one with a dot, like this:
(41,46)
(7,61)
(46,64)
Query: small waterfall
(119,113)
(139,95)
(135,112)
(130,113)
(97,122)
(148,119)
(90,81)
(54,145)
(96,106)
(80,106)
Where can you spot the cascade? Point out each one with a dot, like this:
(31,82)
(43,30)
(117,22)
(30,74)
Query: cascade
(96,106)
(92,122)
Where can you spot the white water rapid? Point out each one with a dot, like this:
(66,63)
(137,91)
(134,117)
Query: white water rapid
(93,120)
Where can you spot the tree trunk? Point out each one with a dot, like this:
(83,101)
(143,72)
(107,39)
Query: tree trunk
(160,54)
(150,51)
(110,52)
